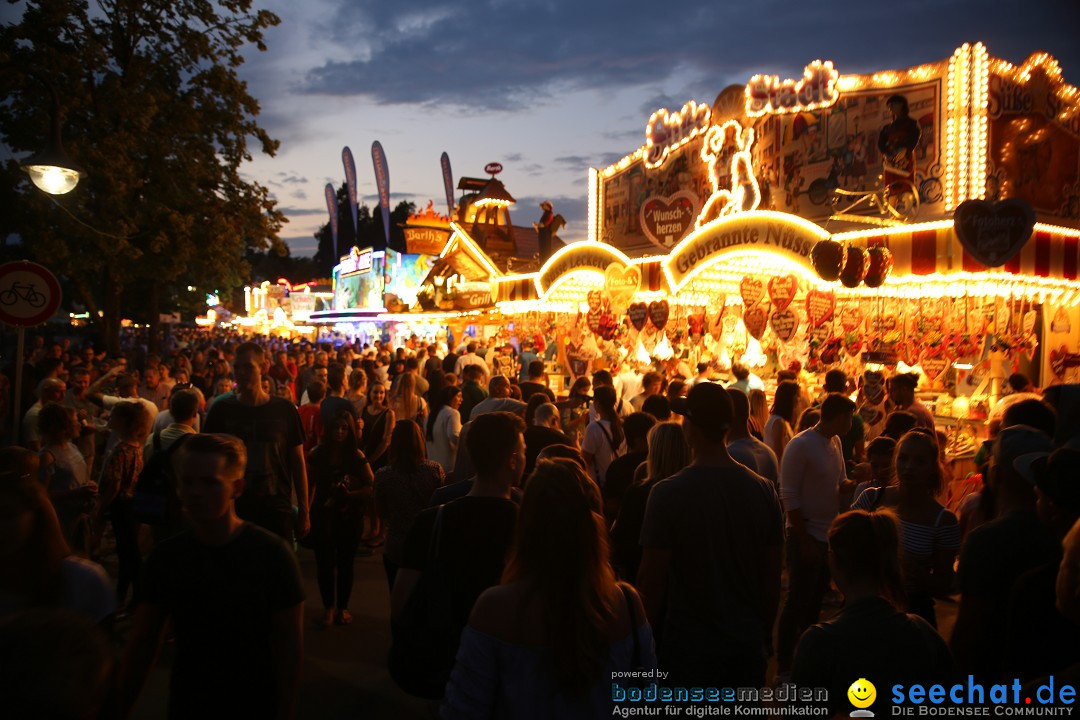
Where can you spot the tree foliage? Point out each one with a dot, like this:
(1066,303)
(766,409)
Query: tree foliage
(371,233)
(154,110)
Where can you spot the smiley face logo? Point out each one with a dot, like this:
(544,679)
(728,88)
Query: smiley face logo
(862,693)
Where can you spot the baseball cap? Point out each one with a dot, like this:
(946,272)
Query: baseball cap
(708,406)
(1012,442)
(1054,474)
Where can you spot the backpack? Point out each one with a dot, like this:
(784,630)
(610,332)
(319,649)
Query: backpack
(155,501)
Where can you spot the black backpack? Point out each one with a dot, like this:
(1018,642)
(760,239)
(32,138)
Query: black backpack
(155,501)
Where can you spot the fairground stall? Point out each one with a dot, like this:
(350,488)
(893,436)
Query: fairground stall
(923,219)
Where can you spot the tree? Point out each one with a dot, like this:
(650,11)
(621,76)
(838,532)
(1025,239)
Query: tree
(370,233)
(154,109)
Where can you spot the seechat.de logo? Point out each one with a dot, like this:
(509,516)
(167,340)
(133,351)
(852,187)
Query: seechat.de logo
(862,694)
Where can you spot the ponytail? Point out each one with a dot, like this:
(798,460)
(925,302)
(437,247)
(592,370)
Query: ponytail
(866,545)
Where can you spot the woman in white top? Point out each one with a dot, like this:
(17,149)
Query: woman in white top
(444,428)
(604,440)
(778,428)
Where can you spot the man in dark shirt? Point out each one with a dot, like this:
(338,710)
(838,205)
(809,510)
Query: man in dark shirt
(620,474)
(271,431)
(472,391)
(474,533)
(535,383)
(545,431)
(335,401)
(711,554)
(233,593)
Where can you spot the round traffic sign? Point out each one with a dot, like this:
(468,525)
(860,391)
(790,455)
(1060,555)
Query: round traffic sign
(29,294)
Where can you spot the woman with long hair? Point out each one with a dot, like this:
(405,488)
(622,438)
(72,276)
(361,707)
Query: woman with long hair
(929,533)
(444,428)
(407,402)
(871,636)
(669,453)
(357,391)
(546,641)
(378,425)
(131,421)
(779,427)
(603,441)
(403,488)
(341,482)
(574,411)
(37,568)
(759,412)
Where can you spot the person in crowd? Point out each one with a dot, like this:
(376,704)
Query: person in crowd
(620,473)
(357,392)
(574,411)
(745,381)
(64,473)
(703,375)
(546,642)
(87,413)
(1040,639)
(498,399)
(902,397)
(544,430)
(759,413)
(472,391)
(472,534)
(525,359)
(469,358)
(659,407)
(604,437)
(602,378)
(131,423)
(744,447)
(651,384)
(779,429)
(1033,413)
(534,384)
(712,542)
(342,481)
(899,423)
(854,443)
(310,418)
(995,554)
(271,431)
(929,533)
(668,454)
(50,390)
(402,489)
(444,428)
(812,471)
(378,422)
(879,470)
(153,389)
(871,636)
(37,568)
(463,481)
(283,374)
(231,592)
(318,374)
(808,419)
(335,401)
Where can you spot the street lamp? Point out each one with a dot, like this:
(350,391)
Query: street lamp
(51,170)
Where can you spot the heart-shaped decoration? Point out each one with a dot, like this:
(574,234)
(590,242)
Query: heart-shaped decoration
(828,258)
(666,220)
(782,291)
(620,283)
(639,313)
(853,348)
(1061,323)
(830,354)
(884,323)
(871,414)
(658,313)
(1031,344)
(593,320)
(1029,322)
(754,318)
(1057,362)
(593,298)
(851,317)
(696,323)
(784,323)
(752,290)
(730,322)
(608,326)
(993,233)
(933,367)
(874,394)
(819,333)
(820,306)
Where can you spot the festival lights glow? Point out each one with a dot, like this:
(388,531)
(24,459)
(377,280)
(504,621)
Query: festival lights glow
(766,94)
(668,131)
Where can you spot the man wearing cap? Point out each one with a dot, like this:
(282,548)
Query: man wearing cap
(996,554)
(711,541)
(812,470)
(543,230)
(1041,641)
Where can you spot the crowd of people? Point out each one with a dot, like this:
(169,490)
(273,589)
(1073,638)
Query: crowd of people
(533,545)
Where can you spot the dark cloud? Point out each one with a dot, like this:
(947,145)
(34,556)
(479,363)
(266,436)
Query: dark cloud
(514,157)
(393,196)
(299,195)
(431,51)
(301,212)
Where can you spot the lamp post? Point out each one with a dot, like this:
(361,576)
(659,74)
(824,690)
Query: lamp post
(51,170)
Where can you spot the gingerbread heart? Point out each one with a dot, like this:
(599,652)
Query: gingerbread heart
(784,323)
(1057,362)
(666,220)
(820,306)
(639,313)
(851,317)
(593,298)
(782,291)
(933,367)
(752,290)
(1029,322)
(658,313)
(883,323)
(593,320)
(993,234)
(853,348)
(754,318)
(871,414)
(819,334)
(621,282)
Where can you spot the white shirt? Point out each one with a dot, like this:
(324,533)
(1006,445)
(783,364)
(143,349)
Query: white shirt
(810,475)
(468,359)
(446,433)
(597,442)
